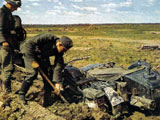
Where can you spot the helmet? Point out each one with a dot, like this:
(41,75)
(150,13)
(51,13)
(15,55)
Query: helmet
(14,2)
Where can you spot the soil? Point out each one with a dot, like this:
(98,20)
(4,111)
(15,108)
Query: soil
(11,107)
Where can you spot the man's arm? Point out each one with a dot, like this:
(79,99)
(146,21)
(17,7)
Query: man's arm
(3,30)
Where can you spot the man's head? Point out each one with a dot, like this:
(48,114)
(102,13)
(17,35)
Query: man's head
(13,4)
(64,44)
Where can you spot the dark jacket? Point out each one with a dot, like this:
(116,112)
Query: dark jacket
(6,25)
(45,46)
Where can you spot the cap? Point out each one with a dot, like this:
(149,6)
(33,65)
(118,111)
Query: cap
(14,2)
(66,42)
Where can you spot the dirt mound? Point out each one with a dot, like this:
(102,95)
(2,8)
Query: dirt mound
(78,112)
(12,109)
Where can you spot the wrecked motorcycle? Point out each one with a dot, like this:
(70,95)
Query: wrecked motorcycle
(111,87)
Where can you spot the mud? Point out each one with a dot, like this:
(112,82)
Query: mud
(12,109)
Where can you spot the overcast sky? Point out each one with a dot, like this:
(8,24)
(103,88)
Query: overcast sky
(88,11)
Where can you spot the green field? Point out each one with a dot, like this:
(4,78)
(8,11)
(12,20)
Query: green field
(119,43)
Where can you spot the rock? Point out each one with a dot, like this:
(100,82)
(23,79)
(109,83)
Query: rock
(150,47)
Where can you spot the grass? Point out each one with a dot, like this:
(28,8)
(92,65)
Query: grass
(119,43)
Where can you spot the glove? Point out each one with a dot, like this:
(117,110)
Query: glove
(58,87)
(5,44)
(35,64)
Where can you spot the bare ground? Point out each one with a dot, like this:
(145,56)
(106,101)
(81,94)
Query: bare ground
(12,109)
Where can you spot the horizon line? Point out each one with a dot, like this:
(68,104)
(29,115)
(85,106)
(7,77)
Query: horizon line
(90,23)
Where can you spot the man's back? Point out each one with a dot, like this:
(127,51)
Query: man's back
(43,44)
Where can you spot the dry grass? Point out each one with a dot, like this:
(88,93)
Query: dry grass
(106,43)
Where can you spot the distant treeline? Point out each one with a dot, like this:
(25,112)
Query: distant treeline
(63,25)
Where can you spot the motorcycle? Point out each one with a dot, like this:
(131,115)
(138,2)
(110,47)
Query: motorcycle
(112,88)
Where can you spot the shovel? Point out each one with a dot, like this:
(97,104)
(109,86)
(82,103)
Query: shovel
(45,76)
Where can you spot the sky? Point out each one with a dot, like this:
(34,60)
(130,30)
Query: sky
(88,11)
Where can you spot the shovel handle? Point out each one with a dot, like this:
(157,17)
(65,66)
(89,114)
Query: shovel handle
(45,76)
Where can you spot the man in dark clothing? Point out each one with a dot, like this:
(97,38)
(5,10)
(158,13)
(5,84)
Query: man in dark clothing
(36,53)
(6,41)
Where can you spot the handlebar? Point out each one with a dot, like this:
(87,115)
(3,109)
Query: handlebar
(79,58)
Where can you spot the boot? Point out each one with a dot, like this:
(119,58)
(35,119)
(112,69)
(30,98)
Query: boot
(1,86)
(47,95)
(22,92)
(7,86)
(47,101)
